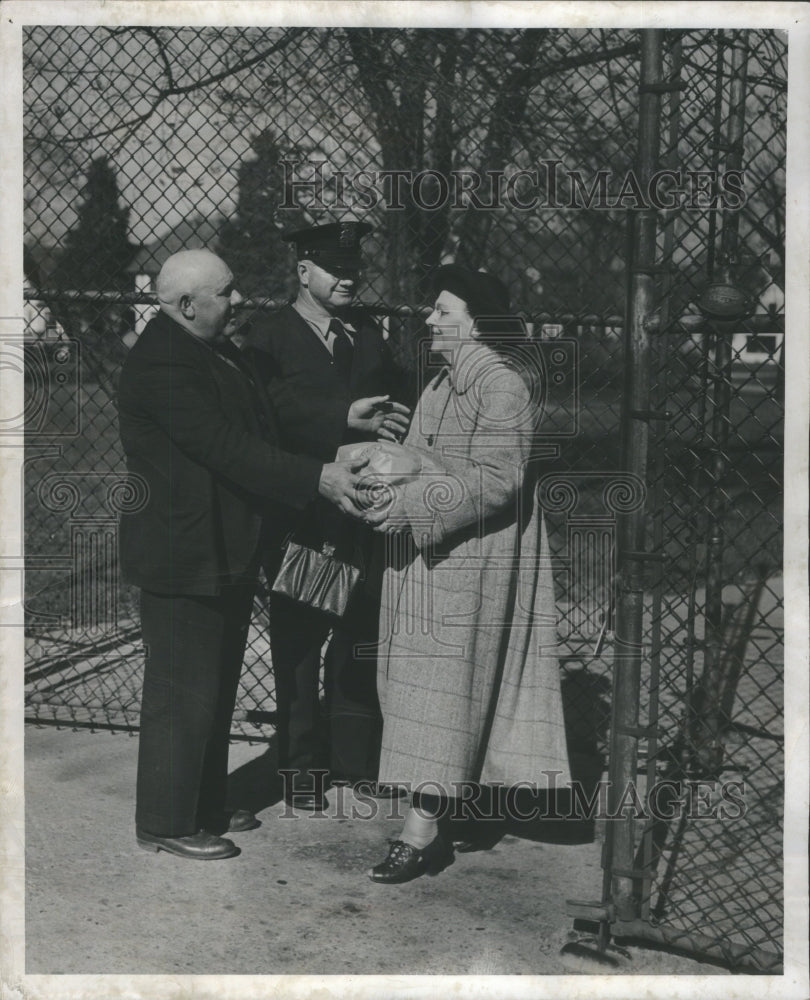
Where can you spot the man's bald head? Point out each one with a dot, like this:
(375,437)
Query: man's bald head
(195,288)
(187,272)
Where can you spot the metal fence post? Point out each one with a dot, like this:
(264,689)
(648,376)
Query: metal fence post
(632,526)
(707,727)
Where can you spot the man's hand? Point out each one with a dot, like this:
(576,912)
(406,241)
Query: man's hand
(339,482)
(378,415)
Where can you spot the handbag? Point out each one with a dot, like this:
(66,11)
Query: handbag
(312,572)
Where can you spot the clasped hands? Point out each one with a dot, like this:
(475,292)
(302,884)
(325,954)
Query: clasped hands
(346,486)
(360,489)
(389,420)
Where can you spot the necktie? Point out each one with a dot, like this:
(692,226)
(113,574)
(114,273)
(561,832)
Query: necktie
(341,348)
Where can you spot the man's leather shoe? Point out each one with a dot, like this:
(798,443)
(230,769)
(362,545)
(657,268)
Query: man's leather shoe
(230,821)
(201,846)
(307,799)
(241,820)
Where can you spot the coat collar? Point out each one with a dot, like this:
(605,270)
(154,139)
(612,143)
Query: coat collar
(320,321)
(469,362)
(167,329)
(163,322)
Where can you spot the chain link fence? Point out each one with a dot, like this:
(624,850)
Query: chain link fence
(599,195)
(716,630)
(698,686)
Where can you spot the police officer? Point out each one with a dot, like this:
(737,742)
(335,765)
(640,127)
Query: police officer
(330,379)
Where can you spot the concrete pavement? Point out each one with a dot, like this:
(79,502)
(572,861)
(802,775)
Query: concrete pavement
(296,901)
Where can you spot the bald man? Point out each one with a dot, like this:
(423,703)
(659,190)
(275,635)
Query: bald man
(195,430)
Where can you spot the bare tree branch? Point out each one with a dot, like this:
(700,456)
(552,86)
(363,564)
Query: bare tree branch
(620,119)
(373,75)
(172,89)
(507,113)
(155,36)
(437,223)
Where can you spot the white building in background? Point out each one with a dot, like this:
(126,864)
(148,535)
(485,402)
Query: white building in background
(763,347)
(38,320)
(143,313)
(750,352)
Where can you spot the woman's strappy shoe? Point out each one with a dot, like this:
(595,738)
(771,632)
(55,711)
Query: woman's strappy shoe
(405,862)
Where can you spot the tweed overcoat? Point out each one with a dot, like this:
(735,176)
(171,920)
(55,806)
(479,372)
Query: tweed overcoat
(467,676)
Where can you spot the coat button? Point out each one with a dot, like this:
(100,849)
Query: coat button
(430,439)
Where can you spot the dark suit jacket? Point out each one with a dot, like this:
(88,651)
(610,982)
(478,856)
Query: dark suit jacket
(192,426)
(310,397)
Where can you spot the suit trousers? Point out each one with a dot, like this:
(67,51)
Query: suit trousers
(194,651)
(347,741)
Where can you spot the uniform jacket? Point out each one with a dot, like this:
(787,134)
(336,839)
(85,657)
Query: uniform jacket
(311,398)
(468,680)
(193,428)
(308,393)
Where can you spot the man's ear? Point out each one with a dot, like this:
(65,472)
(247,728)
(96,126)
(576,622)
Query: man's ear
(186,306)
(303,273)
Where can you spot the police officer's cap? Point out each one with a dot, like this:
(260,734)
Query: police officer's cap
(335,247)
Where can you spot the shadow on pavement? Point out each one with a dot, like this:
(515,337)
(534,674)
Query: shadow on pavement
(256,785)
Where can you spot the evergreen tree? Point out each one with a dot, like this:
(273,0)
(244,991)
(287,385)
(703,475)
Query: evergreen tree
(97,249)
(251,242)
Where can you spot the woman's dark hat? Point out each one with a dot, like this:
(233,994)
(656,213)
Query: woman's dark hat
(335,247)
(486,296)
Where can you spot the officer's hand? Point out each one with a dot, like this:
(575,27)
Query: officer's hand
(339,482)
(379,415)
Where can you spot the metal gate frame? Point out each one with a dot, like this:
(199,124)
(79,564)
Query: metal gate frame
(630,859)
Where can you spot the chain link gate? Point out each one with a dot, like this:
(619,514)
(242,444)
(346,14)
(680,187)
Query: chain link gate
(698,684)
(223,137)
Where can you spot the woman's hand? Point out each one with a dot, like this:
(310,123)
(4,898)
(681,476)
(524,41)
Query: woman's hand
(385,527)
(375,518)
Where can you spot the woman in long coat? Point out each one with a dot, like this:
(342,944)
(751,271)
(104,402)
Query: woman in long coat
(468,681)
